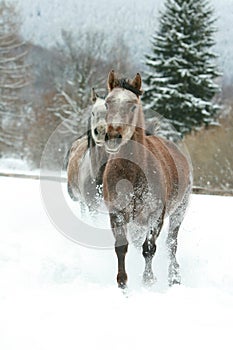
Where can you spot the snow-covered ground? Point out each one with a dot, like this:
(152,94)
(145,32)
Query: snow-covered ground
(56,294)
(15,166)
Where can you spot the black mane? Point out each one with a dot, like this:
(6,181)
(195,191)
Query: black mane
(90,140)
(123,83)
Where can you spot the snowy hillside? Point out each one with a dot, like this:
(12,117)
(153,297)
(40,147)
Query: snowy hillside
(136,21)
(56,294)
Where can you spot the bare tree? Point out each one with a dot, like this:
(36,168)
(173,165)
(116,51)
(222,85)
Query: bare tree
(14,77)
(89,58)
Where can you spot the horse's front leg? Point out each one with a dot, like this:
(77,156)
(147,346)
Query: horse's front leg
(121,247)
(175,221)
(149,249)
(121,251)
(174,268)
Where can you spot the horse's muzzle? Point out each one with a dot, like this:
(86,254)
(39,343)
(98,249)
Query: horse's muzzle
(113,143)
(117,136)
(113,138)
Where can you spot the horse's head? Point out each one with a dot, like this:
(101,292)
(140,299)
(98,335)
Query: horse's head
(123,108)
(98,119)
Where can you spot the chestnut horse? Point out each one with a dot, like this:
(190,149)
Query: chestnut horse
(87,159)
(146,179)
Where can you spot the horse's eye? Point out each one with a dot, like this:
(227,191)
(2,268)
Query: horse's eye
(133,108)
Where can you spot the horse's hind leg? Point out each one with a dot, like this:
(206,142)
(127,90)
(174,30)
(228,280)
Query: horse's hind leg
(149,249)
(121,247)
(175,221)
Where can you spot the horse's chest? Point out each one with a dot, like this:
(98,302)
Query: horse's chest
(123,168)
(126,186)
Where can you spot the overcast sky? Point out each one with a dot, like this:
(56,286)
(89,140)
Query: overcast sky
(136,21)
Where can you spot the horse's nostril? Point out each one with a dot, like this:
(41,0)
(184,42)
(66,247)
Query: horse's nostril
(119,136)
(106,137)
(96,131)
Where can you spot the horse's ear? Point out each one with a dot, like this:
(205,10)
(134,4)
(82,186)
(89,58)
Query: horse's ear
(137,82)
(111,80)
(93,95)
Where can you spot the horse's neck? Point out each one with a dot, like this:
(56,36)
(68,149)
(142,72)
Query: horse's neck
(139,134)
(98,158)
(96,153)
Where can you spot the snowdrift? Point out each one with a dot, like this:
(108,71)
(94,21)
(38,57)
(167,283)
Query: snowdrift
(56,294)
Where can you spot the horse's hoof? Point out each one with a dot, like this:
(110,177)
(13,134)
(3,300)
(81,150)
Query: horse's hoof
(175,280)
(174,274)
(149,279)
(122,280)
(122,285)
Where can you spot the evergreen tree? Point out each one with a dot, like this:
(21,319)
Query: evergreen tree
(180,81)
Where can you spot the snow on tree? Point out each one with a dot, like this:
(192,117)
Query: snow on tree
(81,73)
(89,58)
(181,67)
(13,78)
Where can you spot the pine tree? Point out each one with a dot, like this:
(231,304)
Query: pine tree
(180,81)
